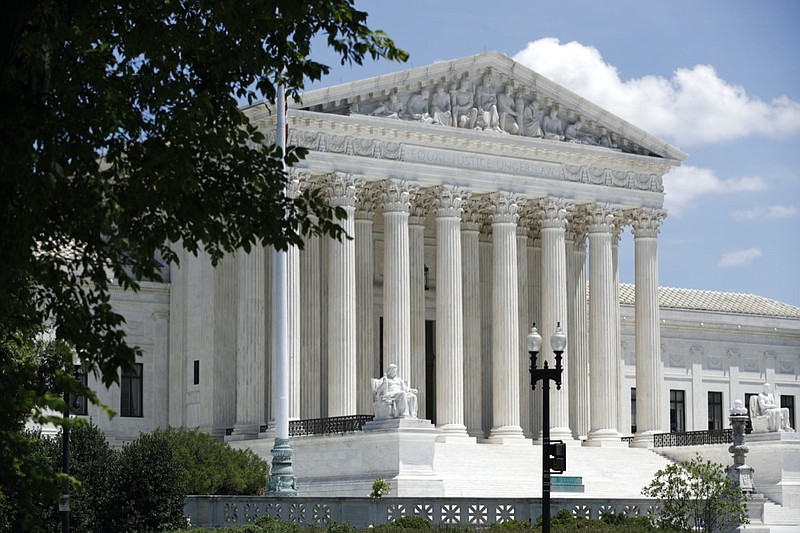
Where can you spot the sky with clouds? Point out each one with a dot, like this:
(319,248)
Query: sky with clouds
(719,79)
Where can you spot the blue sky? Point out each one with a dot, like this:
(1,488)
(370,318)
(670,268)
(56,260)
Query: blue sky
(719,79)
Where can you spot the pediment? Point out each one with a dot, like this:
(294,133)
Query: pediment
(492,93)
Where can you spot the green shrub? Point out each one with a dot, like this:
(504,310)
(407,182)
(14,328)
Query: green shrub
(213,467)
(413,522)
(147,491)
(272,525)
(697,495)
(511,526)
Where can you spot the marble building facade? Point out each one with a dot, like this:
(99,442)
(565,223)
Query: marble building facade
(480,198)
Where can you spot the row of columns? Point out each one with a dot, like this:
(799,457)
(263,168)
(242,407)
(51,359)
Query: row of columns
(547,281)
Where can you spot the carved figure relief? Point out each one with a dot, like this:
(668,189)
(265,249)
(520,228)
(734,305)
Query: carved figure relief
(487,104)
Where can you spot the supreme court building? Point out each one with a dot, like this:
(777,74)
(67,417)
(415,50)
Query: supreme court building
(480,197)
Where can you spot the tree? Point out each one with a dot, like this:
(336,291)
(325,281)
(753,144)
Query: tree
(697,495)
(121,136)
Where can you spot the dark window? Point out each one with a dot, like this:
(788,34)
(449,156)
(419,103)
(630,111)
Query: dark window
(196,374)
(131,386)
(748,426)
(677,411)
(788,402)
(633,410)
(80,406)
(714,410)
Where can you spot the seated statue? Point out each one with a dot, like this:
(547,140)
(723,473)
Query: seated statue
(391,108)
(765,415)
(392,397)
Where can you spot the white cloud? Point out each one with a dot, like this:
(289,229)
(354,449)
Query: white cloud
(686,183)
(772,211)
(739,257)
(694,107)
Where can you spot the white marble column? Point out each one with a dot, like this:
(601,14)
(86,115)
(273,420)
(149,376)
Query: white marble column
(365,278)
(449,317)
(535,303)
(342,303)
(505,323)
(525,320)
(578,326)
(650,399)
(293,310)
(602,342)
(487,325)
(396,282)
(417,377)
(471,295)
(225,317)
(179,360)
(250,339)
(623,399)
(554,308)
(310,322)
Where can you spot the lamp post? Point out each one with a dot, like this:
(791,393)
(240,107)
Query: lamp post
(558,341)
(71,402)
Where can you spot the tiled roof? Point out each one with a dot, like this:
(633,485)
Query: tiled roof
(724,302)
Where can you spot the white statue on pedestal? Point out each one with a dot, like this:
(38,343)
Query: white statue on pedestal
(766,415)
(392,397)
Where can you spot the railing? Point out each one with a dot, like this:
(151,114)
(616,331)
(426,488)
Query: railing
(327,426)
(214,511)
(693,438)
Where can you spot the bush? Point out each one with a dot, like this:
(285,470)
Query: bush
(697,495)
(512,526)
(148,493)
(412,522)
(213,467)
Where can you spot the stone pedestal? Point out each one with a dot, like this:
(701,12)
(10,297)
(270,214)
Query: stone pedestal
(775,460)
(399,450)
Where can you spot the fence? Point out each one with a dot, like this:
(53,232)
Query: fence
(214,511)
(693,438)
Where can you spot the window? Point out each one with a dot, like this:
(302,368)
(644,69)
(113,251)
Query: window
(131,386)
(196,374)
(788,402)
(677,411)
(633,410)
(80,406)
(714,410)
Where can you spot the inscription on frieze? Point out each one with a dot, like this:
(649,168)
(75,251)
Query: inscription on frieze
(481,162)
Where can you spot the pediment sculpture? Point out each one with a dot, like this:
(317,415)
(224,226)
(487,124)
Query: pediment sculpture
(488,105)
(766,415)
(392,397)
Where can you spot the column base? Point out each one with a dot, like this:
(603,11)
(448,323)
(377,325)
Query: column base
(454,433)
(244,431)
(507,435)
(643,439)
(605,438)
(562,434)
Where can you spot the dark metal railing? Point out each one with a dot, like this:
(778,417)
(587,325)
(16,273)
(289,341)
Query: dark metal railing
(693,438)
(327,426)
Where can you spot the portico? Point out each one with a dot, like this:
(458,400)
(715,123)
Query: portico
(425,200)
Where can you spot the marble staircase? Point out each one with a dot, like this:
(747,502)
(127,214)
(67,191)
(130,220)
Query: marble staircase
(486,470)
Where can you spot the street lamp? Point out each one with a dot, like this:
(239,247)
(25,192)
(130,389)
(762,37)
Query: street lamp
(72,402)
(553,456)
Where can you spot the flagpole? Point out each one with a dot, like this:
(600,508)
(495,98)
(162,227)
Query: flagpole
(281,479)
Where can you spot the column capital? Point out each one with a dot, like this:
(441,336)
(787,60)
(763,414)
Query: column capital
(503,207)
(472,216)
(342,188)
(646,222)
(448,201)
(601,217)
(397,195)
(368,198)
(554,212)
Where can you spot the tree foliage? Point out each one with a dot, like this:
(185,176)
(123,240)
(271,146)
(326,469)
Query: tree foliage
(121,136)
(697,495)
